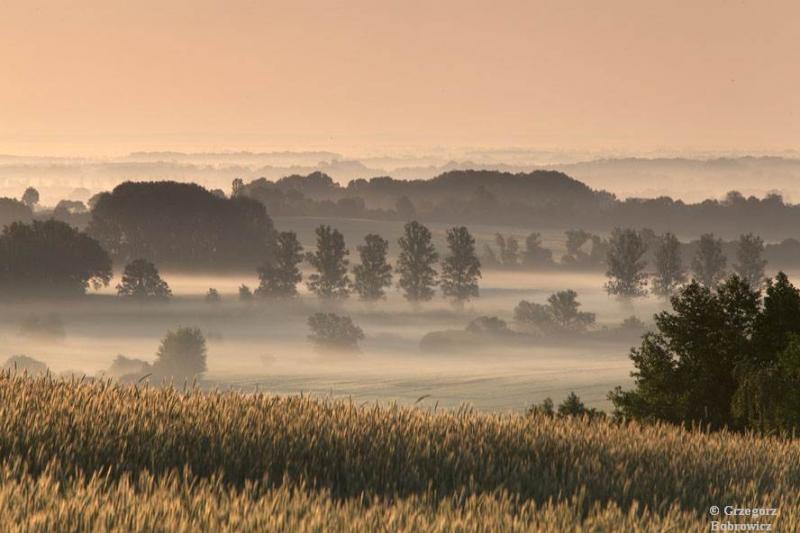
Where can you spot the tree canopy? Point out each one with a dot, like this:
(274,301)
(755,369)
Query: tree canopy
(50,258)
(182,225)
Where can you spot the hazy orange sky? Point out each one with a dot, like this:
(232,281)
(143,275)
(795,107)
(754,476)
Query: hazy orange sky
(101,76)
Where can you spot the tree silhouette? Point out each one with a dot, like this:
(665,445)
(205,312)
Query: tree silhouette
(461,269)
(141,281)
(245,294)
(50,258)
(750,266)
(415,263)
(508,248)
(212,296)
(669,266)
(334,332)
(536,255)
(625,265)
(560,315)
(708,265)
(182,225)
(374,274)
(182,354)
(30,197)
(330,280)
(279,276)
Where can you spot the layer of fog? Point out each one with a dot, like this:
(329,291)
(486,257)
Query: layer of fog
(690,177)
(264,345)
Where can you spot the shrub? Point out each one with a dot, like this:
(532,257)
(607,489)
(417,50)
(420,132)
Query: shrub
(335,332)
(182,354)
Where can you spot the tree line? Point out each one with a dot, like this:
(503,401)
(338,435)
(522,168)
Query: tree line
(627,268)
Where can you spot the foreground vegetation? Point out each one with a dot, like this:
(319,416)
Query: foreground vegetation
(95,455)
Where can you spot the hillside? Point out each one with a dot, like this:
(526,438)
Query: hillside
(89,455)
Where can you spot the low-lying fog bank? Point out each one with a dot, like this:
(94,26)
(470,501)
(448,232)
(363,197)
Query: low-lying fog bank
(264,344)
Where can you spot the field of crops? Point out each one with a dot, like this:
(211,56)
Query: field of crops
(98,456)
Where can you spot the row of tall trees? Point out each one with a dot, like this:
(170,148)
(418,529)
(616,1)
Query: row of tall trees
(627,265)
(415,267)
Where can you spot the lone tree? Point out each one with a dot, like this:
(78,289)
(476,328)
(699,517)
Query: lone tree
(669,266)
(536,255)
(330,331)
(415,263)
(182,354)
(141,281)
(374,274)
(625,263)
(278,278)
(330,280)
(245,294)
(461,269)
(708,265)
(750,266)
(30,197)
(560,315)
(50,258)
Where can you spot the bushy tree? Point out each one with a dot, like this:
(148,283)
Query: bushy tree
(686,370)
(708,265)
(561,314)
(669,265)
(182,225)
(750,266)
(625,264)
(278,277)
(30,197)
(536,255)
(461,269)
(374,274)
(49,259)
(331,279)
(415,263)
(141,281)
(182,354)
(334,332)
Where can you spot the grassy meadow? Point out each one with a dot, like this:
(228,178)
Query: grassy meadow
(93,455)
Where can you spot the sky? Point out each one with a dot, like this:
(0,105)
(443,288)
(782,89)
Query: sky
(105,76)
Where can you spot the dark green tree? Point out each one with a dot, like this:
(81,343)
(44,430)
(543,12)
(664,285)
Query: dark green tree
(461,269)
(374,274)
(212,296)
(278,278)
(686,370)
(415,263)
(331,279)
(49,259)
(245,294)
(750,266)
(708,265)
(626,264)
(669,266)
(141,281)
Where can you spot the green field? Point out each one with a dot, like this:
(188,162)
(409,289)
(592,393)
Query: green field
(91,455)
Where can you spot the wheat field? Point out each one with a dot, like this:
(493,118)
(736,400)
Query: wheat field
(97,456)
